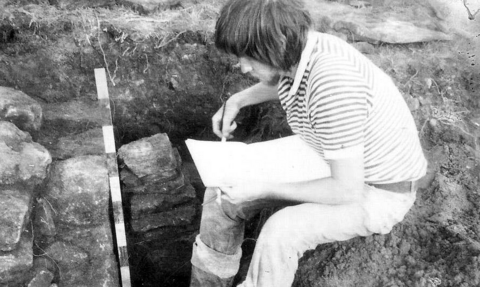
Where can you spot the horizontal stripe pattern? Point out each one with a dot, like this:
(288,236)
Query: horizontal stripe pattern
(344,101)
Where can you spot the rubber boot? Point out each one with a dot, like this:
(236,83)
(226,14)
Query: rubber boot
(200,278)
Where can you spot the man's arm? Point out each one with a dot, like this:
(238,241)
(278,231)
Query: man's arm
(345,185)
(255,94)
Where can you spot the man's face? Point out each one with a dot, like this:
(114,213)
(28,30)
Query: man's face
(265,73)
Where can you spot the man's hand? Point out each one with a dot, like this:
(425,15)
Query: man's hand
(253,95)
(227,113)
(245,192)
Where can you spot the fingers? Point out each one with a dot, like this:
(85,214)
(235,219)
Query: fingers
(226,127)
(228,130)
(216,122)
(219,196)
(224,193)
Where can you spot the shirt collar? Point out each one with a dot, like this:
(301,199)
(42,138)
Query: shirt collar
(304,59)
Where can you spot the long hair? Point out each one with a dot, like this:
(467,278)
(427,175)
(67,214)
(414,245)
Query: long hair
(273,32)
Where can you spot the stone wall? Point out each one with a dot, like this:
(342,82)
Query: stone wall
(24,165)
(54,219)
(55,224)
(160,206)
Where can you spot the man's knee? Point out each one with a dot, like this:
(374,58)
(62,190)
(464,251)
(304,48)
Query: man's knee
(278,228)
(213,210)
(231,210)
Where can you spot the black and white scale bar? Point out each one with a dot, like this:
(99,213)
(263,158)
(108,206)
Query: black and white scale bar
(114,180)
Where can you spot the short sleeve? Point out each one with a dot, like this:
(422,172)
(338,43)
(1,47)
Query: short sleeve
(338,110)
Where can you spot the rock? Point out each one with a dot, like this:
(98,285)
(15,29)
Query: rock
(64,120)
(43,262)
(410,25)
(151,157)
(23,161)
(176,217)
(161,235)
(42,278)
(75,113)
(14,265)
(14,212)
(413,103)
(103,272)
(28,164)
(86,143)
(98,243)
(364,47)
(72,261)
(148,6)
(78,190)
(452,198)
(404,247)
(43,222)
(76,4)
(144,204)
(135,185)
(77,197)
(11,135)
(20,109)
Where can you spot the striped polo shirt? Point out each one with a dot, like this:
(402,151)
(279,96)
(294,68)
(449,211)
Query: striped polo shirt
(343,106)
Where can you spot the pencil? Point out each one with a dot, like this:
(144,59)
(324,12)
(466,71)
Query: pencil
(224,139)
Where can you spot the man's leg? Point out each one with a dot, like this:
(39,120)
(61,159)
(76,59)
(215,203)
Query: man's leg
(291,231)
(217,249)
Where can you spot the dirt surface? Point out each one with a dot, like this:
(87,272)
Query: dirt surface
(173,82)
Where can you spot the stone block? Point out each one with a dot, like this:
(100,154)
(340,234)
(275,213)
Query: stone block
(42,278)
(133,184)
(14,212)
(16,264)
(148,203)
(18,108)
(178,216)
(72,261)
(11,135)
(96,241)
(23,161)
(156,238)
(78,190)
(151,157)
(98,244)
(67,255)
(103,272)
(44,215)
(86,143)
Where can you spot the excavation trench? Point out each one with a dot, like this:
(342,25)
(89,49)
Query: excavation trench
(163,90)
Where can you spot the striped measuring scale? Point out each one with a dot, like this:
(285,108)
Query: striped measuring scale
(114,179)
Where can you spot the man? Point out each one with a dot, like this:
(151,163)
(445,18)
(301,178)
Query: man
(345,108)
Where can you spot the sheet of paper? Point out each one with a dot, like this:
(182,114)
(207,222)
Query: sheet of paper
(218,163)
(287,159)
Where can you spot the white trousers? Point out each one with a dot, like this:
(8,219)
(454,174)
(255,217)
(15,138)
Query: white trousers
(295,229)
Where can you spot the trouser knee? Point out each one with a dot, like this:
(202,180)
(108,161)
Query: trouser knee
(277,233)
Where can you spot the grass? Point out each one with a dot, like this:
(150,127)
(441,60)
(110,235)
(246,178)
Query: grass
(159,24)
